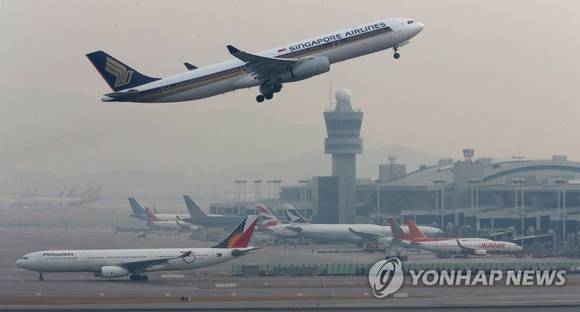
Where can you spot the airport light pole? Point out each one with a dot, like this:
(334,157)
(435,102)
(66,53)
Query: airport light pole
(237,183)
(277,186)
(516,181)
(563,182)
(244,190)
(441,183)
(269,189)
(257,186)
(303,192)
(378,182)
(475,184)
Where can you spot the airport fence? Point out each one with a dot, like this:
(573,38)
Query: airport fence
(361,269)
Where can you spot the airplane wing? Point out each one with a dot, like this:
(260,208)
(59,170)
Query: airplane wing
(530,238)
(261,66)
(463,247)
(140,266)
(184,224)
(366,236)
(294,228)
(189,66)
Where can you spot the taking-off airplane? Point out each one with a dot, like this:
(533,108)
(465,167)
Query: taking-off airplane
(269,69)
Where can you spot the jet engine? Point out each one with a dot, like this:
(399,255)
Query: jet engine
(312,67)
(480,252)
(111,271)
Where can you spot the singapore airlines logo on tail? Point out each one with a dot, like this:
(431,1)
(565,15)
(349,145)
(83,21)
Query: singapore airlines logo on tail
(122,75)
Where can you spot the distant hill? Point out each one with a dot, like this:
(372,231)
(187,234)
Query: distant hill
(316,163)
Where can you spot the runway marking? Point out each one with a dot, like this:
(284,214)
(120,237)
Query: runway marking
(21,281)
(226,285)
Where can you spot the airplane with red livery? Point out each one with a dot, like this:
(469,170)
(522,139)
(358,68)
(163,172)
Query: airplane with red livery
(445,247)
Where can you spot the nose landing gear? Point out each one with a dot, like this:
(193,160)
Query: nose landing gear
(40,276)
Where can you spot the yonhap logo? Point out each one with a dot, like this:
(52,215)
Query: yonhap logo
(386,277)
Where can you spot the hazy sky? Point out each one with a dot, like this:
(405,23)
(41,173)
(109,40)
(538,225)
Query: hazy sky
(499,76)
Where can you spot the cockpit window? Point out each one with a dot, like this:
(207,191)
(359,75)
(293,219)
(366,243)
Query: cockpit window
(25,258)
(410,21)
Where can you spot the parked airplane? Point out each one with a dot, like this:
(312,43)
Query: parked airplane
(269,69)
(270,224)
(32,199)
(447,247)
(329,233)
(140,213)
(198,216)
(293,215)
(134,262)
(177,224)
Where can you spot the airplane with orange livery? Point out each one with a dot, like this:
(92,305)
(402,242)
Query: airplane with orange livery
(445,247)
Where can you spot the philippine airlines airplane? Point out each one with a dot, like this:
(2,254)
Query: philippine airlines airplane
(329,233)
(447,247)
(134,262)
(268,69)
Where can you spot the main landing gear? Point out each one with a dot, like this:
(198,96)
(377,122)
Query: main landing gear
(396,55)
(267,91)
(138,277)
(40,276)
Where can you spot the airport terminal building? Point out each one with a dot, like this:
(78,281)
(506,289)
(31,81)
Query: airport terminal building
(483,194)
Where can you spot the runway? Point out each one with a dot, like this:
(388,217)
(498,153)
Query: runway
(215,287)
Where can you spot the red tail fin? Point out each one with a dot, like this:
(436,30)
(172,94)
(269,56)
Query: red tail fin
(414,230)
(396,229)
(266,217)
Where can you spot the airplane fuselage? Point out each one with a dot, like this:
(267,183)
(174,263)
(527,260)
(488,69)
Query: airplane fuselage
(234,74)
(334,233)
(94,260)
(452,246)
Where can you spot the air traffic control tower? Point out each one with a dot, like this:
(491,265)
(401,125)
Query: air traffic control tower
(343,142)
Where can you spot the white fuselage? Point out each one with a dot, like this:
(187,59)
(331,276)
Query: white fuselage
(335,233)
(232,75)
(170,216)
(451,245)
(94,260)
(176,225)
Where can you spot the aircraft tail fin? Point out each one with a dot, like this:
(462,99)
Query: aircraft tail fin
(240,237)
(396,229)
(267,219)
(150,215)
(118,76)
(194,210)
(293,215)
(414,230)
(138,210)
